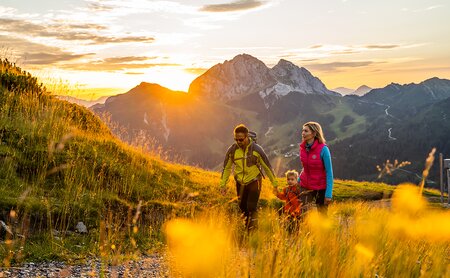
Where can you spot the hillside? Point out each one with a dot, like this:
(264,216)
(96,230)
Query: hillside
(413,122)
(61,165)
(195,126)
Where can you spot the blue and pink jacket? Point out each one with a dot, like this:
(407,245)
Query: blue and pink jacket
(317,173)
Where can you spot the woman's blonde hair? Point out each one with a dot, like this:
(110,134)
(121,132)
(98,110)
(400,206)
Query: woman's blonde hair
(291,173)
(315,127)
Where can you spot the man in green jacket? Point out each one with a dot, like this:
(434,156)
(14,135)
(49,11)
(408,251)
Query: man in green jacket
(248,158)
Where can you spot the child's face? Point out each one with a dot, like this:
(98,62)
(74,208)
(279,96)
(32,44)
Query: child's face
(291,180)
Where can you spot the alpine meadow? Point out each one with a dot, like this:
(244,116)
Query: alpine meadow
(224,138)
(62,165)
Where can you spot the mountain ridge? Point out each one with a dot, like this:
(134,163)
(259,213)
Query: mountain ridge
(276,114)
(245,74)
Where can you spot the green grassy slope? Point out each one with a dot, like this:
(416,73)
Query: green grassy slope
(60,165)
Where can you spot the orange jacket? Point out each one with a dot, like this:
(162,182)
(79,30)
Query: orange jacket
(293,204)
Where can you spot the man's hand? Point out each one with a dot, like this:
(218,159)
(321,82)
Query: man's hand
(275,191)
(223,190)
(327,201)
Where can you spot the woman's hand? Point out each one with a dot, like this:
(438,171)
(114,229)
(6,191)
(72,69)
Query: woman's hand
(327,201)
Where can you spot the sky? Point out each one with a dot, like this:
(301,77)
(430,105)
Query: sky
(103,47)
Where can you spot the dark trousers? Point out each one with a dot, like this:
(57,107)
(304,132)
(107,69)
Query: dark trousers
(317,196)
(248,196)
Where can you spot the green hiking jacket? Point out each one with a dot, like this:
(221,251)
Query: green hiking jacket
(246,164)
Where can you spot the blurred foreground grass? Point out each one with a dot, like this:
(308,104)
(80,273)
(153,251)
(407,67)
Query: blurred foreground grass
(357,239)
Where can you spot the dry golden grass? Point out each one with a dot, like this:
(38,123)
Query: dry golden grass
(357,239)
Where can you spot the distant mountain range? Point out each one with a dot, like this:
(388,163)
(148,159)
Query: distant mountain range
(415,120)
(396,122)
(82,102)
(362,90)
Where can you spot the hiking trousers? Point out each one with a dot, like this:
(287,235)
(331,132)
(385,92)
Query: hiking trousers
(248,196)
(310,196)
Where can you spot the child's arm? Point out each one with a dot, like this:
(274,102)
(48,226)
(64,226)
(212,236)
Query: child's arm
(282,195)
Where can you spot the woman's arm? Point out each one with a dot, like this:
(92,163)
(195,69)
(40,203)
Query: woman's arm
(326,158)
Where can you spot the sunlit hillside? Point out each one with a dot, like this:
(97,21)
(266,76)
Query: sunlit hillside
(60,165)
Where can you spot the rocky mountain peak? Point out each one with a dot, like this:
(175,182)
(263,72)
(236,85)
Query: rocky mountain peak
(285,64)
(362,90)
(242,75)
(298,78)
(245,74)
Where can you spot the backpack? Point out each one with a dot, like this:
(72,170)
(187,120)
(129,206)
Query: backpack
(253,136)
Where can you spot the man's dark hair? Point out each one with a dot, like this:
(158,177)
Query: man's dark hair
(241,129)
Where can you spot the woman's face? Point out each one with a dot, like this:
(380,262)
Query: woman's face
(307,134)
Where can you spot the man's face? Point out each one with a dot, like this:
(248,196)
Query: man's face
(241,139)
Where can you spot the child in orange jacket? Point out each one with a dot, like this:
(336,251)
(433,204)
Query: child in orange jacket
(291,194)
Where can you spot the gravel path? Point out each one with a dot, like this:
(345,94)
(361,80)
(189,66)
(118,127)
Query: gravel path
(149,266)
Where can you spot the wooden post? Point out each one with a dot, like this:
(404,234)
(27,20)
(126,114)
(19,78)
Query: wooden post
(441,175)
(448,186)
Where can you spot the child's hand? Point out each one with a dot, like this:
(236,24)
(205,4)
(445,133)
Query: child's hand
(223,191)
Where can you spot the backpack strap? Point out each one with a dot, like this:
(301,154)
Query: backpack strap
(263,156)
(230,154)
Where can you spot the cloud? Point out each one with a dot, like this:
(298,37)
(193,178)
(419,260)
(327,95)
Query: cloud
(345,51)
(126,59)
(434,7)
(308,60)
(429,8)
(320,51)
(133,73)
(119,8)
(66,32)
(43,58)
(7,11)
(37,54)
(89,26)
(233,6)
(336,66)
(246,48)
(382,46)
(117,64)
(196,71)
(21,45)
(103,39)
(98,7)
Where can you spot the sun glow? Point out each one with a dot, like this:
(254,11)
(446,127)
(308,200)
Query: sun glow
(91,85)
(173,78)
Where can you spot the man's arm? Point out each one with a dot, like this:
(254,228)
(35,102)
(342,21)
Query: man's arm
(264,161)
(226,168)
